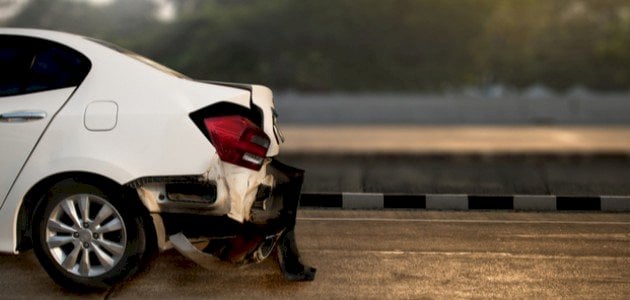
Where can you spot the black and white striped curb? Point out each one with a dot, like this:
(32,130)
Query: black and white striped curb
(465,202)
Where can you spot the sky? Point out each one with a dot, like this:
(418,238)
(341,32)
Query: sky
(165,12)
(10,8)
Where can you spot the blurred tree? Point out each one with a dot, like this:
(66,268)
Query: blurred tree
(360,45)
(559,43)
(366,44)
(122,22)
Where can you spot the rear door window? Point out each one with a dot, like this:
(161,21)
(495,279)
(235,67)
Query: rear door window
(29,65)
(14,65)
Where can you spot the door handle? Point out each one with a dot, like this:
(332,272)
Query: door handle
(22,116)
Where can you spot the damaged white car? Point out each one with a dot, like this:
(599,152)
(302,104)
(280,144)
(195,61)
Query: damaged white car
(108,157)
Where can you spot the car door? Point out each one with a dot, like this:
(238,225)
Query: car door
(36,78)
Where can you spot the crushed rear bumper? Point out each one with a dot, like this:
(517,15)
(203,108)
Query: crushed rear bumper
(267,226)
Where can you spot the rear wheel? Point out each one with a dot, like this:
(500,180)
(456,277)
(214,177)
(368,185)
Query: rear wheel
(86,237)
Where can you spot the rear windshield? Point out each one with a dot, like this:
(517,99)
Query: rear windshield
(140,58)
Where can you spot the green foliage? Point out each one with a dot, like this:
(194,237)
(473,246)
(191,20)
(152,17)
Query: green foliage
(559,43)
(368,44)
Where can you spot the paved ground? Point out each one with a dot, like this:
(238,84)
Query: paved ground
(456,140)
(401,108)
(399,254)
(465,174)
(561,160)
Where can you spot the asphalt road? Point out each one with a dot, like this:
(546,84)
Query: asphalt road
(398,254)
(497,160)
(396,108)
(456,139)
(465,174)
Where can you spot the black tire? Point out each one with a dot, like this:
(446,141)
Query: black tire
(113,254)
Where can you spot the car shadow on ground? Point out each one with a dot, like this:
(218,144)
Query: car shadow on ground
(173,275)
(23,277)
(169,275)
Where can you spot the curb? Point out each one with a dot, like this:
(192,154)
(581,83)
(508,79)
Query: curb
(465,202)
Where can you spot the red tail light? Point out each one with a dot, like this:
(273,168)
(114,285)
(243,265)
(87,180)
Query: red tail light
(238,140)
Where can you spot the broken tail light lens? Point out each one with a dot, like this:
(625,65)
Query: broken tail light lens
(238,140)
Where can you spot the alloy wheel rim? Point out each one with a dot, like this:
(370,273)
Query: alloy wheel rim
(86,235)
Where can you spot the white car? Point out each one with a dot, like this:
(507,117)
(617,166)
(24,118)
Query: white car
(108,157)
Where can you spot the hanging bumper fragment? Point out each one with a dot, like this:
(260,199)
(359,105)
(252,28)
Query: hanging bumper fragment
(269,229)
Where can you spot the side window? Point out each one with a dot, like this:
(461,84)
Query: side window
(15,63)
(29,65)
(56,67)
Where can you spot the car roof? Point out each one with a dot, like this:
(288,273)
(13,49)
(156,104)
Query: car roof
(97,53)
(85,45)
(63,37)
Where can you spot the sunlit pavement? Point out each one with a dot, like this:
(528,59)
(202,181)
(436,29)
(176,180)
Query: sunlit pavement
(453,139)
(487,160)
(398,254)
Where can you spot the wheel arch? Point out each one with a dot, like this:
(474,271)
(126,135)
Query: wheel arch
(35,196)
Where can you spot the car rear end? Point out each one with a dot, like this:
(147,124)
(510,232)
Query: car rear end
(199,156)
(245,204)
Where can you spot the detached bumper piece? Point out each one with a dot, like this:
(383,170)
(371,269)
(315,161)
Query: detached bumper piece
(270,230)
(288,259)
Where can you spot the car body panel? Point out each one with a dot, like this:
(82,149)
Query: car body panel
(153,134)
(18,138)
